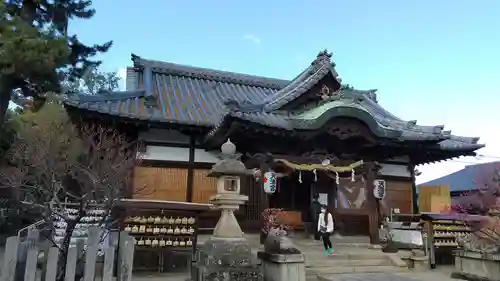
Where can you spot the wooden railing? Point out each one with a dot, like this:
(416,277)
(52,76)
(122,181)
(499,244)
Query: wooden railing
(22,258)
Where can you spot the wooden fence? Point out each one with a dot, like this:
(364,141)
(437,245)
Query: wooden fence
(21,258)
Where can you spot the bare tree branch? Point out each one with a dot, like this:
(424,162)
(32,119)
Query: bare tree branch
(53,160)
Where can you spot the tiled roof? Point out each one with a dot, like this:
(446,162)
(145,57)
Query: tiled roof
(198,96)
(208,74)
(467,179)
(179,94)
(362,105)
(174,99)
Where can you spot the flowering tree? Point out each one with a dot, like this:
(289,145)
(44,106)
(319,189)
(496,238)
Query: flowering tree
(270,220)
(481,202)
(486,195)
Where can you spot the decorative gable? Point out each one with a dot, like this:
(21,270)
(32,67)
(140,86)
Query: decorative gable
(307,87)
(323,90)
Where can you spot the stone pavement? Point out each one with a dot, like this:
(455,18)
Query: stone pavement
(439,274)
(161,277)
(435,275)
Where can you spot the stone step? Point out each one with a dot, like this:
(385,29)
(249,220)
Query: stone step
(333,238)
(332,262)
(320,256)
(325,271)
(334,242)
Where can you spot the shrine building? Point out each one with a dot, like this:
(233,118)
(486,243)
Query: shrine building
(312,133)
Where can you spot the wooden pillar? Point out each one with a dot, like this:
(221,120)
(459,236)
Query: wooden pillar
(263,197)
(190,172)
(370,171)
(263,201)
(414,195)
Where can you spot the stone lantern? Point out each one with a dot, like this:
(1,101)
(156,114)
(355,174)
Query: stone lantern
(227,255)
(228,172)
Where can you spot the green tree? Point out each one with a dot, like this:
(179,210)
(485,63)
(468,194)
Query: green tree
(36,51)
(8,131)
(92,82)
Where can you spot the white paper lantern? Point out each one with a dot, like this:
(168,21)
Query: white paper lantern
(270,182)
(379,189)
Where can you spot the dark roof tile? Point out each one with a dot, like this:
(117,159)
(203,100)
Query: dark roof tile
(467,178)
(199,96)
(209,74)
(192,95)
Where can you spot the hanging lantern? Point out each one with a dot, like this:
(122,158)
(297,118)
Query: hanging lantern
(379,189)
(315,175)
(300,176)
(353,174)
(337,178)
(270,182)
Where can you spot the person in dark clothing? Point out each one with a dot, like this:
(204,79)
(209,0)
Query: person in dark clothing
(315,211)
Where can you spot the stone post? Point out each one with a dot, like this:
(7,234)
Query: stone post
(227,254)
(281,260)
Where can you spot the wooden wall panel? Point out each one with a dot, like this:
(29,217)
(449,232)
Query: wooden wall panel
(434,198)
(156,183)
(398,195)
(203,186)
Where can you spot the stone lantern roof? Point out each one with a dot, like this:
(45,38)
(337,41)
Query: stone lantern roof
(230,164)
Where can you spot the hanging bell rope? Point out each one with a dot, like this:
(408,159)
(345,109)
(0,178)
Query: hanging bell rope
(320,167)
(353,175)
(300,176)
(337,178)
(315,175)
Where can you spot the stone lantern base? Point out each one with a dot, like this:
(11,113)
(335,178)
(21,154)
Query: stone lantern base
(227,256)
(226,260)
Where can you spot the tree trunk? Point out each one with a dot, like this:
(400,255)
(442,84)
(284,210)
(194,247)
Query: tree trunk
(64,248)
(4,105)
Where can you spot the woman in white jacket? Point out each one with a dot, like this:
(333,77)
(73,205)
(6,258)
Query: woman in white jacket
(325,228)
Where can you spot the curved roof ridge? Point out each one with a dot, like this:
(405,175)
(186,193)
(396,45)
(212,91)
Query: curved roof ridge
(106,96)
(209,74)
(302,83)
(411,125)
(471,140)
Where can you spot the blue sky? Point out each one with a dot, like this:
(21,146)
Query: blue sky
(434,61)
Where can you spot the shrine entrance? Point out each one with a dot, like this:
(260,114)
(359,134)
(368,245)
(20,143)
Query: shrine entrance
(329,160)
(344,192)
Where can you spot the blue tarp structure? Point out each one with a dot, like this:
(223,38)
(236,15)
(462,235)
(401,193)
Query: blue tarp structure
(465,179)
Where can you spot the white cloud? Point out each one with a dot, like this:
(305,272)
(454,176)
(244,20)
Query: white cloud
(252,38)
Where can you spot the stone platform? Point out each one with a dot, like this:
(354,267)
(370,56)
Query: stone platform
(354,255)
